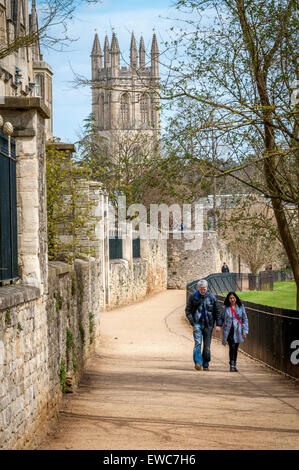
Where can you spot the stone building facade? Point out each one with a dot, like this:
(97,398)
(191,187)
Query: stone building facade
(125,99)
(23,72)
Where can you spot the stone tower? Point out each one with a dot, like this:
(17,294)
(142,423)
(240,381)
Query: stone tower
(125,99)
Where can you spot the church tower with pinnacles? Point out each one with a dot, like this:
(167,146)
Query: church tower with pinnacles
(125,99)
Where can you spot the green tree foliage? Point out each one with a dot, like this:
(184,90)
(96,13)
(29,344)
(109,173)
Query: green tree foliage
(131,163)
(68,209)
(240,60)
(249,229)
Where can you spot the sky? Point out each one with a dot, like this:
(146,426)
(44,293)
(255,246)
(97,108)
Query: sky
(72,105)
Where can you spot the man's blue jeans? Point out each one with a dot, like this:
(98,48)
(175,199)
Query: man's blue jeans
(202,332)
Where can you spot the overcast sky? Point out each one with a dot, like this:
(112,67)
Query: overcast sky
(72,105)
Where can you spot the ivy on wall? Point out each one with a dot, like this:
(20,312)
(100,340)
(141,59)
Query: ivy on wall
(69,209)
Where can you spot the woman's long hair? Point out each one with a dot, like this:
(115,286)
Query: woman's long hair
(227,302)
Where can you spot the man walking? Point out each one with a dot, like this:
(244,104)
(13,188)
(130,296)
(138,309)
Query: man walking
(225,268)
(202,311)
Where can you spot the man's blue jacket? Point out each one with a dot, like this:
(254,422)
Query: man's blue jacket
(212,309)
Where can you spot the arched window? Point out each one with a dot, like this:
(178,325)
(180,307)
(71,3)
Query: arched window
(144,109)
(125,110)
(39,86)
(211,220)
(101,110)
(154,112)
(2,26)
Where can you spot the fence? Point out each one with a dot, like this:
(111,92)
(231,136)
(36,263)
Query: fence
(8,210)
(220,283)
(273,336)
(273,332)
(286,275)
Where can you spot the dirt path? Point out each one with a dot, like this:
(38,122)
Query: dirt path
(141,391)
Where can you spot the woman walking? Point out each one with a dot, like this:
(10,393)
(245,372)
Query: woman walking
(235,326)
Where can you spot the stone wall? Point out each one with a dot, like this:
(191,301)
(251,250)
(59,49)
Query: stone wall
(130,281)
(45,342)
(23,365)
(127,281)
(225,255)
(155,254)
(185,264)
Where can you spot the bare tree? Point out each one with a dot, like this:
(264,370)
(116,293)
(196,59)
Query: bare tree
(250,231)
(243,64)
(52,30)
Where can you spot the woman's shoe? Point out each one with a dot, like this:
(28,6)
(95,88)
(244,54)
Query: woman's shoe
(197,366)
(233,367)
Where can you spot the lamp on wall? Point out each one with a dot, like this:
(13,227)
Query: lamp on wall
(8,130)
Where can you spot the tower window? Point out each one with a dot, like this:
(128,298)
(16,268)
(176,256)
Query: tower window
(101,111)
(39,86)
(2,26)
(144,109)
(125,110)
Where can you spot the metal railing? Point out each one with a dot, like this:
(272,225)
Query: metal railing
(273,336)
(220,283)
(273,332)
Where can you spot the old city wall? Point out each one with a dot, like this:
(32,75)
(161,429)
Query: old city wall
(184,264)
(45,343)
(189,259)
(132,279)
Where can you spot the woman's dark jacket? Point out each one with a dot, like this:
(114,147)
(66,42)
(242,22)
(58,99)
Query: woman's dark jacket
(212,309)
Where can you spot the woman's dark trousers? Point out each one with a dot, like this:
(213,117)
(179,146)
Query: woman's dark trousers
(233,351)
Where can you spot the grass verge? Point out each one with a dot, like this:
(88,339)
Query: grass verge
(283,295)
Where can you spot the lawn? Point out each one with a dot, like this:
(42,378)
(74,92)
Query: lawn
(283,295)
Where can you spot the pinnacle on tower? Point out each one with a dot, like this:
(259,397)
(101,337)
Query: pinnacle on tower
(106,53)
(154,49)
(96,57)
(115,55)
(96,50)
(141,53)
(33,18)
(114,44)
(133,53)
(155,57)
(33,26)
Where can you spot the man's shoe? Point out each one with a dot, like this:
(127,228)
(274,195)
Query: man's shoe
(206,368)
(197,366)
